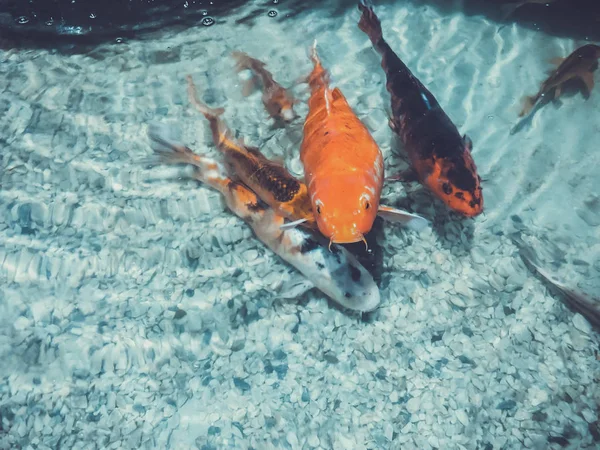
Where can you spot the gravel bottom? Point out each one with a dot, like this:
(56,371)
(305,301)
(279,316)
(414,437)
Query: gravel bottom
(137,312)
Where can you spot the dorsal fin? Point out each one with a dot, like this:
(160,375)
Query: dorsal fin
(336,93)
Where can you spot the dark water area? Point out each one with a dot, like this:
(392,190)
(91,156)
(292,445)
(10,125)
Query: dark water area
(74,24)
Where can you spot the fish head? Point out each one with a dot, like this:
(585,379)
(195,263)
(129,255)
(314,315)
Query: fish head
(280,105)
(345,208)
(287,113)
(455,181)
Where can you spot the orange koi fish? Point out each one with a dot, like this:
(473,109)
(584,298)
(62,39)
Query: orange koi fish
(336,273)
(440,158)
(277,100)
(269,180)
(343,165)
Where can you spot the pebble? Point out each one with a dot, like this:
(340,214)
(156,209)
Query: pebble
(581,323)
(461,415)
(21,323)
(313,441)
(292,439)
(460,286)
(537,396)
(413,405)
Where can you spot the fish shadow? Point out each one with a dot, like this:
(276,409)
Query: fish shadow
(454,231)
(420,200)
(371,255)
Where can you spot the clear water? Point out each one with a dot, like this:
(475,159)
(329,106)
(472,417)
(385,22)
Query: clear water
(137,311)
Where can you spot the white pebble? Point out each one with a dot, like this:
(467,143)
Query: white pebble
(413,405)
(537,396)
(581,323)
(589,415)
(460,286)
(461,415)
(21,323)
(292,439)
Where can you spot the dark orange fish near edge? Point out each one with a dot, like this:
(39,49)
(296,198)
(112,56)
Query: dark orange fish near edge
(438,154)
(579,64)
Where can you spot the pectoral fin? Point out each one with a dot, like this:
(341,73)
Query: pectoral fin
(412,221)
(468,143)
(294,224)
(408,176)
(556,61)
(557,91)
(588,79)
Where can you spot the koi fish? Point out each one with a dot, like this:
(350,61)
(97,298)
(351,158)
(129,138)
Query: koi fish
(269,180)
(440,158)
(336,273)
(277,100)
(343,165)
(579,302)
(579,64)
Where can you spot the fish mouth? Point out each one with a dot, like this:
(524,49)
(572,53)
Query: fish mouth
(348,239)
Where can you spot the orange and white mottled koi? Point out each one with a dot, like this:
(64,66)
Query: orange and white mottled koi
(269,180)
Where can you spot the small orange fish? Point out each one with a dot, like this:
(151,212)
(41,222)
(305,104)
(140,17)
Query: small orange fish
(277,100)
(578,64)
(343,165)
(269,180)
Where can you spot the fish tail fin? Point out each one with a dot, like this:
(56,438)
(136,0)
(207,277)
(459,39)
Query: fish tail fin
(242,60)
(528,103)
(208,112)
(246,62)
(314,56)
(248,87)
(168,150)
(319,77)
(221,134)
(369,22)
(508,9)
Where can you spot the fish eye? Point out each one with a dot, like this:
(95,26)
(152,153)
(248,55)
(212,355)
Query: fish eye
(318,204)
(447,188)
(365,200)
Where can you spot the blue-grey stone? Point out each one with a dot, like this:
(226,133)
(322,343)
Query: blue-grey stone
(241,384)
(506,405)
